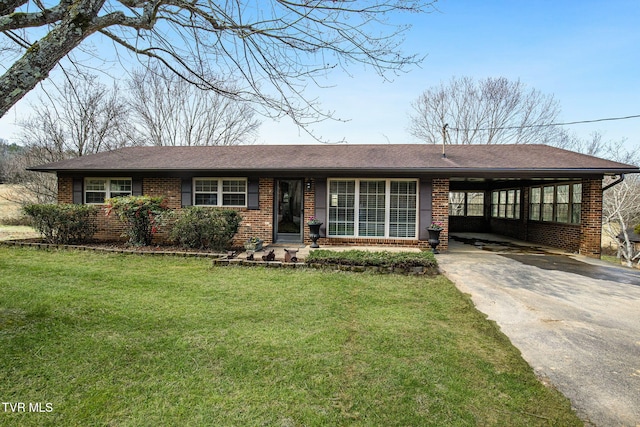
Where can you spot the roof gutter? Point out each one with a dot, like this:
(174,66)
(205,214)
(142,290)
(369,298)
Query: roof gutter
(616,182)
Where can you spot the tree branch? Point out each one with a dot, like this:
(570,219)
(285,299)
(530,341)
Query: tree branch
(9,6)
(15,21)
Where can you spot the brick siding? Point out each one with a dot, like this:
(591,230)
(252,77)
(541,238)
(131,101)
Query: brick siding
(440,209)
(65,190)
(258,222)
(309,208)
(583,238)
(167,187)
(591,224)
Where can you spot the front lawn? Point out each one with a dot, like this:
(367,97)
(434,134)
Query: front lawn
(130,340)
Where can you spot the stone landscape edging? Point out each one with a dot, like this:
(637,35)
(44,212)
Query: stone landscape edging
(223,259)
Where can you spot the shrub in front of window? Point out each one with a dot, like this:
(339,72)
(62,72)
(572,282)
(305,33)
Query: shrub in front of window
(205,228)
(142,215)
(63,224)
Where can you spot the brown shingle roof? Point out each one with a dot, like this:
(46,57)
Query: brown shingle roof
(405,158)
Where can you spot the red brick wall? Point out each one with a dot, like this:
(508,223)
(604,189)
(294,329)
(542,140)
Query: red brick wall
(440,209)
(170,188)
(65,189)
(591,224)
(562,236)
(354,241)
(584,238)
(309,209)
(258,223)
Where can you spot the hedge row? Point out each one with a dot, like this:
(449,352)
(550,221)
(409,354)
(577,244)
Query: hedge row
(194,227)
(384,259)
(63,224)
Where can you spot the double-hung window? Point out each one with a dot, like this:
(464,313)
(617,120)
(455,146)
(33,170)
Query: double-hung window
(383,208)
(97,190)
(230,192)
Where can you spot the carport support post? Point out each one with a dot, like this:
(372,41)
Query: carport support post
(440,209)
(591,218)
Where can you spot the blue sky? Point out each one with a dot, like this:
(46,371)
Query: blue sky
(585,53)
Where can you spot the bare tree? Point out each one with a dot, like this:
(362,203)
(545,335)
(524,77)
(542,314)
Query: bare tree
(170,111)
(275,47)
(83,117)
(621,212)
(489,111)
(621,202)
(595,145)
(34,187)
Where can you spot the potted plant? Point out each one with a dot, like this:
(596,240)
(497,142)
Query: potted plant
(434,235)
(314,230)
(253,244)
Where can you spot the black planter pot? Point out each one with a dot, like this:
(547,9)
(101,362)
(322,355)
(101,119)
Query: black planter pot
(314,234)
(434,239)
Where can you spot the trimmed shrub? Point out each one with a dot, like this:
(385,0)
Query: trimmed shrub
(205,228)
(141,215)
(372,259)
(63,224)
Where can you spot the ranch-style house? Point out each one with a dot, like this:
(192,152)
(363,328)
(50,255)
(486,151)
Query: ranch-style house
(363,194)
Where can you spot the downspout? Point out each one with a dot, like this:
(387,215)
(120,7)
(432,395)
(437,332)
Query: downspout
(616,182)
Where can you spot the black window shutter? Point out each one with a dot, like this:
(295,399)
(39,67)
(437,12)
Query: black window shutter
(253,193)
(425,209)
(187,199)
(320,188)
(78,198)
(136,187)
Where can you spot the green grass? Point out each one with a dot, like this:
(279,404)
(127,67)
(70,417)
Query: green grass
(132,340)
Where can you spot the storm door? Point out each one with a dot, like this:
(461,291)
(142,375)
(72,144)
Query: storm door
(289,210)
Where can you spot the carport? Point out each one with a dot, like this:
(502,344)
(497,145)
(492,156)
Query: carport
(561,210)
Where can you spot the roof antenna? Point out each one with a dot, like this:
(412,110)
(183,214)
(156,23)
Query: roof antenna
(444,139)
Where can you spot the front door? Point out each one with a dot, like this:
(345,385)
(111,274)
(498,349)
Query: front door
(289,210)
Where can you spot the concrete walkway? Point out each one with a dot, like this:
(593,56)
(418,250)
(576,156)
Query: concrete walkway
(575,320)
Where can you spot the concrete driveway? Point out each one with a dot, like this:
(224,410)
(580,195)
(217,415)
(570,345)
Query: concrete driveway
(576,321)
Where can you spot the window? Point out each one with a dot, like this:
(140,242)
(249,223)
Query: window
(220,192)
(373,208)
(547,203)
(505,204)
(556,203)
(97,190)
(475,204)
(576,203)
(342,208)
(403,207)
(466,203)
(534,202)
(562,203)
